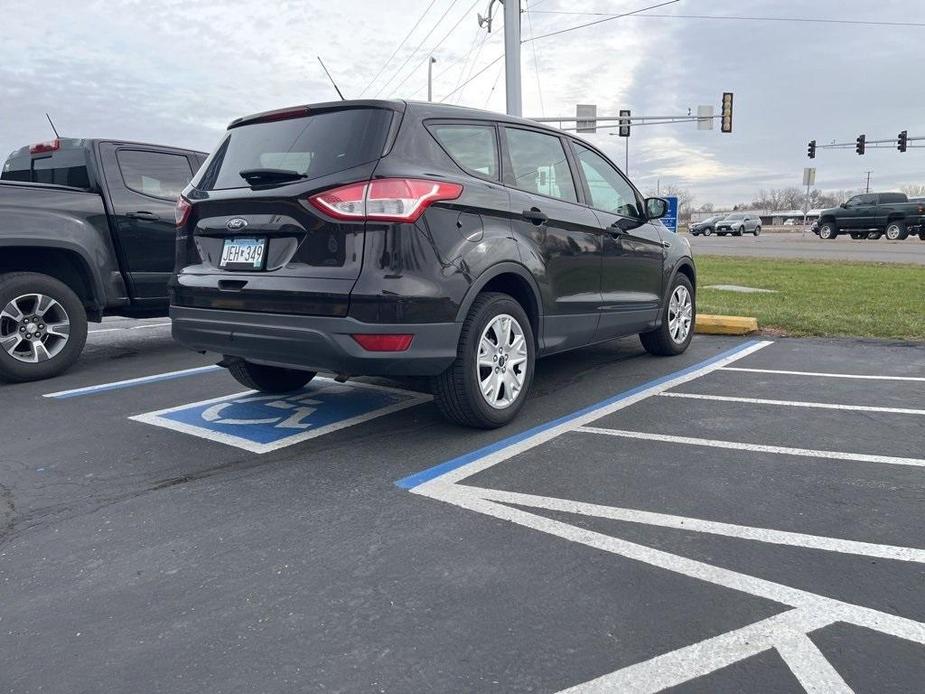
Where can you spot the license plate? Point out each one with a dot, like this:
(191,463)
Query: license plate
(243,254)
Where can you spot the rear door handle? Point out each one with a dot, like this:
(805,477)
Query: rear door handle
(535,215)
(143,214)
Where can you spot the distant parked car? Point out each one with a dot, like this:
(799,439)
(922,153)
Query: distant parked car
(789,222)
(738,223)
(706,226)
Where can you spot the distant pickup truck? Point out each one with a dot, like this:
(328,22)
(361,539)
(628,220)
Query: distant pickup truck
(873,215)
(87,229)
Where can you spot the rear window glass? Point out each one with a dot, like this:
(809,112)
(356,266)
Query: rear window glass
(157,174)
(893,197)
(313,146)
(66,167)
(472,147)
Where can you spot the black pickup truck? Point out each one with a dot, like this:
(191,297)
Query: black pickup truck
(87,229)
(873,215)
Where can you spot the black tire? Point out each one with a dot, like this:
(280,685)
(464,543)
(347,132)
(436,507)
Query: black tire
(874,235)
(757,230)
(456,391)
(740,231)
(14,285)
(659,341)
(708,231)
(922,235)
(858,235)
(269,379)
(897,231)
(828,231)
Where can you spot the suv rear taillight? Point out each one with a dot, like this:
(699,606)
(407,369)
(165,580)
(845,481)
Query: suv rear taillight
(182,211)
(384,199)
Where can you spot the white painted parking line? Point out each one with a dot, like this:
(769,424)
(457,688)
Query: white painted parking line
(795,403)
(699,659)
(129,382)
(742,532)
(756,447)
(810,667)
(817,610)
(917,379)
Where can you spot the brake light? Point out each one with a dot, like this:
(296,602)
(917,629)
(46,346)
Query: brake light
(182,210)
(384,343)
(42,147)
(385,199)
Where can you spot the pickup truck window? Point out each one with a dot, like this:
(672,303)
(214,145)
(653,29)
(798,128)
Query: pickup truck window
(157,174)
(66,167)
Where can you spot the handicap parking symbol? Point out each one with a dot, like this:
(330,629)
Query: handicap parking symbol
(260,423)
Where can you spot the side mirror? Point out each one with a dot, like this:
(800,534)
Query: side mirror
(844,205)
(656,208)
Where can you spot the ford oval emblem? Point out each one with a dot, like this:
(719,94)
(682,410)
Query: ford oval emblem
(235,223)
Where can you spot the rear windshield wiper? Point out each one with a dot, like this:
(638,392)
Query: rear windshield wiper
(264,177)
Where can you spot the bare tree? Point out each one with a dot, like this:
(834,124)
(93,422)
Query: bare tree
(685,199)
(913,190)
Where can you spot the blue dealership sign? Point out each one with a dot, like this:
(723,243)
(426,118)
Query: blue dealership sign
(670,220)
(260,423)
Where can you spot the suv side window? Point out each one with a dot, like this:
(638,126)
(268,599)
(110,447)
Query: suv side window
(608,189)
(157,174)
(539,164)
(473,147)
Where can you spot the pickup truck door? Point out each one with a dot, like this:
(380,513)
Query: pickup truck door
(143,184)
(859,212)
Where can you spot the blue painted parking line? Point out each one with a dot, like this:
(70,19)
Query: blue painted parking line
(429,474)
(129,383)
(261,423)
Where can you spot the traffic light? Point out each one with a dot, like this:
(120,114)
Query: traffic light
(902,140)
(726,113)
(811,149)
(624,129)
(859,147)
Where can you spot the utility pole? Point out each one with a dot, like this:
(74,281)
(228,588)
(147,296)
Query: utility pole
(430,78)
(512,57)
(868,181)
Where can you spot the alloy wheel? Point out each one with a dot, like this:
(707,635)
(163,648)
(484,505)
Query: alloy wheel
(34,328)
(501,366)
(680,314)
(893,232)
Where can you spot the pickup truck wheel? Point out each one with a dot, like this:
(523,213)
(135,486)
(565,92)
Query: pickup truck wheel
(43,327)
(922,235)
(487,384)
(675,333)
(269,379)
(827,231)
(858,235)
(896,231)
(874,235)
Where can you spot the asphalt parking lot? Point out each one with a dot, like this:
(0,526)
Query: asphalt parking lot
(745,517)
(797,245)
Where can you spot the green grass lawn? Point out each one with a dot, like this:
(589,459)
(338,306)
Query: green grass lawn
(821,298)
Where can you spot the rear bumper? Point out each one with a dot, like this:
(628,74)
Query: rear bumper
(315,343)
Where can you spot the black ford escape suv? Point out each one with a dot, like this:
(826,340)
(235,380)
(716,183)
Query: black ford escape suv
(403,238)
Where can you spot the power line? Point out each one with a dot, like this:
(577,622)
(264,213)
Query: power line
(399,47)
(536,66)
(414,52)
(492,90)
(808,20)
(609,18)
(500,57)
(437,44)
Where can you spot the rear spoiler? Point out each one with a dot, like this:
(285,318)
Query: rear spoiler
(307,109)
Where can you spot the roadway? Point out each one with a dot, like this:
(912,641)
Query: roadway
(809,246)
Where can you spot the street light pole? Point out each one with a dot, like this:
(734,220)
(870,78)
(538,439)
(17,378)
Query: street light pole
(430,78)
(512,57)
(868,181)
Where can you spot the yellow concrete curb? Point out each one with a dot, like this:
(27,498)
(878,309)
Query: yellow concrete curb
(725,325)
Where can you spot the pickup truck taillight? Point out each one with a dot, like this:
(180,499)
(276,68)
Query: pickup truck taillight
(182,210)
(42,147)
(384,199)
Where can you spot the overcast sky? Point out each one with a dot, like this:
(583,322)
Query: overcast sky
(177,71)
